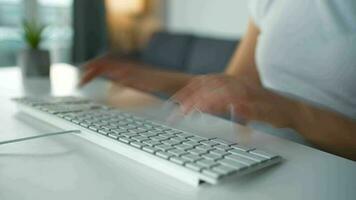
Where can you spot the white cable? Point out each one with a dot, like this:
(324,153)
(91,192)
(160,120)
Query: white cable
(38,136)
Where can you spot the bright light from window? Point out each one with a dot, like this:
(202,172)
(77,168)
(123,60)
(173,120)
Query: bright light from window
(125,6)
(10,1)
(60,3)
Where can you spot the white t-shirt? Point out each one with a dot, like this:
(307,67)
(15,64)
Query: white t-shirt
(307,50)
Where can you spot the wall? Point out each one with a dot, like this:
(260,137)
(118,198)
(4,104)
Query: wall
(218,18)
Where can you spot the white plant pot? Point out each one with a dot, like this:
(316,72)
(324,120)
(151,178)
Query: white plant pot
(34,63)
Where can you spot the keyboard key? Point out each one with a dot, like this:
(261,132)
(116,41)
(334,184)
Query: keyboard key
(170,142)
(177,152)
(76,121)
(197,138)
(209,143)
(204,147)
(151,142)
(224,169)
(164,155)
(191,143)
(242,147)
(242,160)
(155,132)
(104,128)
(142,129)
(263,154)
(210,156)
(173,131)
(137,144)
(84,124)
(159,138)
(125,139)
(118,131)
(169,135)
(207,163)
(222,141)
(183,135)
(178,160)
(147,126)
(164,147)
(103,132)
(219,152)
(160,128)
(194,166)
(131,126)
(191,157)
(232,163)
(140,138)
(113,135)
(148,134)
(136,131)
(212,174)
(150,149)
(178,139)
(183,147)
(196,151)
(223,147)
(247,155)
(129,134)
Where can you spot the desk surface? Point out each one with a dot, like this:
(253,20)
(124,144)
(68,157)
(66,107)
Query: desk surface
(67,167)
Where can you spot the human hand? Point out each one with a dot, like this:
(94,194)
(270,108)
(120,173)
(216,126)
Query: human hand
(221,94)
(123,71)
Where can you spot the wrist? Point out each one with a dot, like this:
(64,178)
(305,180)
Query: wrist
(287,111)
(171,82)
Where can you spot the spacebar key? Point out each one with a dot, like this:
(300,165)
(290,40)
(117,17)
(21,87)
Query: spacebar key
(242,160)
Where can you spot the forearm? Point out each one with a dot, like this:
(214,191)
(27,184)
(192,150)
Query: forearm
(171,82)
(326,129)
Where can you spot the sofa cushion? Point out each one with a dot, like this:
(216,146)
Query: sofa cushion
(167,50)
(209,55)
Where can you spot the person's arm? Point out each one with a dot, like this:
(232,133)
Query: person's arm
(326,129)
(150,79)
(134,74)
(243,62)
(241,88)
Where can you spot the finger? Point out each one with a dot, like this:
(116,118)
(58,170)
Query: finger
(87,76)
(90,74)
(189,103)
(95,67)
(214,103)
(133,83)
(208,82)
(199,92)
(188,90)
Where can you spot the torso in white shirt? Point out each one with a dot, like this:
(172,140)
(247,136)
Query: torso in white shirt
(307,50)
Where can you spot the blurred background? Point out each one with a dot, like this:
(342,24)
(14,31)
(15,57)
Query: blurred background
(79,30)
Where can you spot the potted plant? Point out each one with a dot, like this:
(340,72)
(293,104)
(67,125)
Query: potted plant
(33,60)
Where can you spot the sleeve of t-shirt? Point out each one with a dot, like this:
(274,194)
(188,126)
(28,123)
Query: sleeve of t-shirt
(258,10)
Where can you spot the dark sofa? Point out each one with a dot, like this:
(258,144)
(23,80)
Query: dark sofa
(188,53)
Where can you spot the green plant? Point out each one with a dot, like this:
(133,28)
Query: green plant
(33,33)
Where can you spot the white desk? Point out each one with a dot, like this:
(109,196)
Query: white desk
(67,167)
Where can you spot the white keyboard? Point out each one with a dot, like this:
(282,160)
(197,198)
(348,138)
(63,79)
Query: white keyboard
(183,155)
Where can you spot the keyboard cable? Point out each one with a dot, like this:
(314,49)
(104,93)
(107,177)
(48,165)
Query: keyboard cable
(38,136)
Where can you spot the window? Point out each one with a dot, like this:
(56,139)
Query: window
(55,14)
(10,36)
